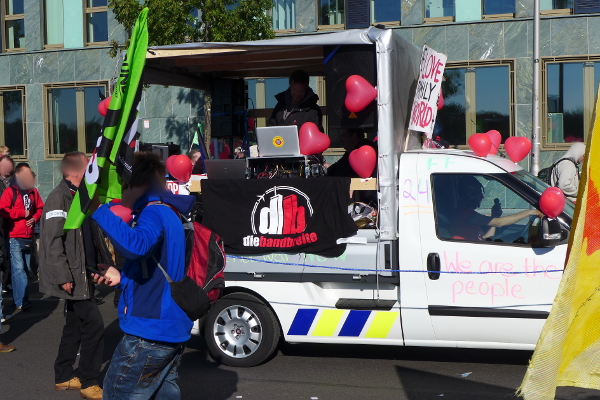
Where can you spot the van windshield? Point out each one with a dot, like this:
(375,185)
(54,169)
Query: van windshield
(539,186)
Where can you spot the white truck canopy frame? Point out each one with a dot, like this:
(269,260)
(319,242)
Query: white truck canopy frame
(192,65)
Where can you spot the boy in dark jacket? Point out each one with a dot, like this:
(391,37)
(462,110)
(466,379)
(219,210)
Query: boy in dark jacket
(63,274)
(297,105)
(155,327)
(21,208)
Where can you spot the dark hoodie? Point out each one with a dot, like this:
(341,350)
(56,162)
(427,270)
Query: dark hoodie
(146,308)
(307,111)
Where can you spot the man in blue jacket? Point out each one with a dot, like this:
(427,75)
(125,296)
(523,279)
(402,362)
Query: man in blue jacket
(144,365)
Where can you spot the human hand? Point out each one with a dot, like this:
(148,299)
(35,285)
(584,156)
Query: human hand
(67,287)
(536,213)
(109,276)
(30,222)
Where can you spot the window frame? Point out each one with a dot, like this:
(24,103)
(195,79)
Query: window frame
(470,112)
(492,176)
(4,17)
(588,99)
(49,153)
(49,46)
(91,10)
(24,156)
(495,16)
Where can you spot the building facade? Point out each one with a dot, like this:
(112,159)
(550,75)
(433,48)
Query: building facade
(54,67)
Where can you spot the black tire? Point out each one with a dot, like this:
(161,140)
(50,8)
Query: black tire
(241,331)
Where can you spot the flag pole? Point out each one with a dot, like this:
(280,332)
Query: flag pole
(535,134)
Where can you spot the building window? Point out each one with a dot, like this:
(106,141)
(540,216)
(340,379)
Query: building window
(439,8)
(74,123)
(491,7)
(284,14)
(570,93)
(13,25)
(53,23)
(96,22)
(12,120)
(385,10)
(586,6)
(555,4)
(477,98)
(331,12)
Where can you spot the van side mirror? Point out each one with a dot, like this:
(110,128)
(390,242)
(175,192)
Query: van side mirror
(552,232)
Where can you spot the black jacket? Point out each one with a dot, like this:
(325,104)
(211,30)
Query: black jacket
(307,111)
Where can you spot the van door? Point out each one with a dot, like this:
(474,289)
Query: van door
(495,288)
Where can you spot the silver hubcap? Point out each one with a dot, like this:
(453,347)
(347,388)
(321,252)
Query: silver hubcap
(237,331)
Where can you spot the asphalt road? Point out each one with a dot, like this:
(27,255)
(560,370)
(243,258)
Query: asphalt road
(298,372)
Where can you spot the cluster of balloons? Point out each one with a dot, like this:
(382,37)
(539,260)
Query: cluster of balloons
(487,143)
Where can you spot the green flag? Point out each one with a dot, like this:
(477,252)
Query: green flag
(111,160)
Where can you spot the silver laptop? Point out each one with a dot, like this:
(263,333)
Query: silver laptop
(225,169)
(276,141)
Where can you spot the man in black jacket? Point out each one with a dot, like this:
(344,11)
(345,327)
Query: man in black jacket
(297,105)
(62,272)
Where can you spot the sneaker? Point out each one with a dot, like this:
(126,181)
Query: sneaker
(5,318)
(6,348)
(91,393)
(24,307)
(73,384)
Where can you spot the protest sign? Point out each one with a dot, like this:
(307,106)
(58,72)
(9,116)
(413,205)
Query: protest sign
(424,110)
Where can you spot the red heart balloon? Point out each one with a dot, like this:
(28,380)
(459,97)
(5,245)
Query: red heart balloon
(312,140)
(225,150)
(481,144)
(122,212)
(359,93)
(363,161)
(517,147)
(441,100)
(180,166)
(496,138)
(103,106)
(552,202)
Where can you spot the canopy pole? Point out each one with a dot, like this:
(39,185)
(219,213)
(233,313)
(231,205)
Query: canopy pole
(535,134)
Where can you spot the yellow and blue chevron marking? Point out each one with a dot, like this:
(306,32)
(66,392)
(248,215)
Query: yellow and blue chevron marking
(352,326)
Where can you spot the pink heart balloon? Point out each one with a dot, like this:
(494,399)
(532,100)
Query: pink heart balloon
(552,202)
(103,106)
(312,140)
(496,138)
(441,100)
(359,93)
(517,147)
(180,166)
(122,212)
(363,161)
(481,144)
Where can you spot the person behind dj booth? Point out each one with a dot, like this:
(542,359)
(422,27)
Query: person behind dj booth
(297,104)
(352,139)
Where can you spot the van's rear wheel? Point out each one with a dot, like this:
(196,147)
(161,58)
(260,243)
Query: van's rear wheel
(241,331)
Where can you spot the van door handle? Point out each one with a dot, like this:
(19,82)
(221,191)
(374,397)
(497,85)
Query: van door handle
(433,266)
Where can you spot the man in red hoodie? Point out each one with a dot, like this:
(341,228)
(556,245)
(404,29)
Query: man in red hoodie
(21,208)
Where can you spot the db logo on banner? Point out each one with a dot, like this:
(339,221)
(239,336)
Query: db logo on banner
(282,212)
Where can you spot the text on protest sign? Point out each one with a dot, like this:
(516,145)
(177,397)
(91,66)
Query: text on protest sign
(424,110)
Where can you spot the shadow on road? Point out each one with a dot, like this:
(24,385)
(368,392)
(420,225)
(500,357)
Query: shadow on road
(484,356)
(25,320)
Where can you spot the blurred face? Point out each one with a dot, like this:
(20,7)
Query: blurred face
(6,167)
(349,139)
(298,92)
(195,158)
(76,175)
(25,179)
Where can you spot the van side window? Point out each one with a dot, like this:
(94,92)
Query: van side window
(472,208)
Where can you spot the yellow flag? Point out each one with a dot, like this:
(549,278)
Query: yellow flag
(568,350)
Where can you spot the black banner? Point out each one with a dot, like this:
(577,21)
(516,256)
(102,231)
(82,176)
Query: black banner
(260,216)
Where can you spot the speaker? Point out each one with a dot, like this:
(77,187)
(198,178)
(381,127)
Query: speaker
(162,150)
(228,106)
(358,14)
(342,62)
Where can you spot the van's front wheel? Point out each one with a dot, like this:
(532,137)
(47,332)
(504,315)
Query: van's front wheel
(241,331)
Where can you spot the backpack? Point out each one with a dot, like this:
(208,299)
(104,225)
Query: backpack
(545,175)
(205,260)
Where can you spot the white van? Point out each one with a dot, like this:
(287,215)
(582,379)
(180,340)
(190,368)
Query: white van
(417,280)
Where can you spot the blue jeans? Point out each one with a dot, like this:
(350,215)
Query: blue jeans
(141,369)
(20,255)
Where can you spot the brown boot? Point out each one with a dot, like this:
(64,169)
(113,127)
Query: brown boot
(72,384)
(91,393)
(6,348)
